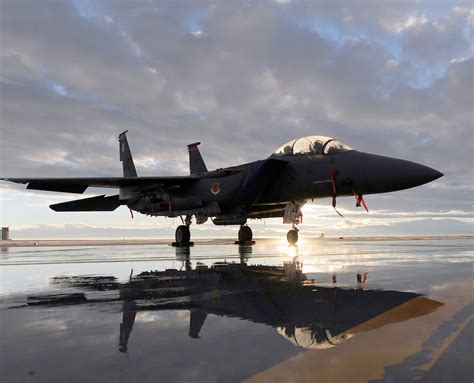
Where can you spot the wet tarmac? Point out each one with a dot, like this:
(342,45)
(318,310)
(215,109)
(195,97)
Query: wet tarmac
(324,311)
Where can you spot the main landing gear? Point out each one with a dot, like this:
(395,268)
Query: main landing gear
(245,234)
(183,234)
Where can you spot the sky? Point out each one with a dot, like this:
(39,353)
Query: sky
(386,77)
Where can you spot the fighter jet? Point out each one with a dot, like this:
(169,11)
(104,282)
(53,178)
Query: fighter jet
(303,169)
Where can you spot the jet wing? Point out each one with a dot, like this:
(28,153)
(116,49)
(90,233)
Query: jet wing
(79,185)
(263,174)
(99,203)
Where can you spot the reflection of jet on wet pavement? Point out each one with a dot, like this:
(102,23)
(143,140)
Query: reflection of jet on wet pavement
(308,315)
(305,313)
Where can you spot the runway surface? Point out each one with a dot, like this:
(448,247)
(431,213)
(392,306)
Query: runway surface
(324,311)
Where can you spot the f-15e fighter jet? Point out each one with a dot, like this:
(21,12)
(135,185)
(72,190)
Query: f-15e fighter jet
(278,186)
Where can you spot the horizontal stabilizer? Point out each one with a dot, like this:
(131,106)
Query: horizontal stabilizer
(99,203)
(264,173)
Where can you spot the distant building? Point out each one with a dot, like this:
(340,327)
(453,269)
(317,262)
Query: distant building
(5,233)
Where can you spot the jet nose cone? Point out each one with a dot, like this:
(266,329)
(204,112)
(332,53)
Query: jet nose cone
(434,174)
(385,174)
(417,174)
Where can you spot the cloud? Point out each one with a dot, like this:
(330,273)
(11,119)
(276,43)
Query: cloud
(437,42)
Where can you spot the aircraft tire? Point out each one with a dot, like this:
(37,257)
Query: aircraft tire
(245,234)
(182,234)
(292,236)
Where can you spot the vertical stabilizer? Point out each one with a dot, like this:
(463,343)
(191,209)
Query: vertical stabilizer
(195,322)
(126,156)
(196,163)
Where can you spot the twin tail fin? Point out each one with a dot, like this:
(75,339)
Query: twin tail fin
(196,163)
(126,156)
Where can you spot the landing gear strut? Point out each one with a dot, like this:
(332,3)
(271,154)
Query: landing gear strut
(183,234)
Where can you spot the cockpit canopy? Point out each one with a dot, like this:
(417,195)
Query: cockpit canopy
(316,145)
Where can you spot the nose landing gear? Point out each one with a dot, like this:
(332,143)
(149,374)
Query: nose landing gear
(292,236)
(294,216)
